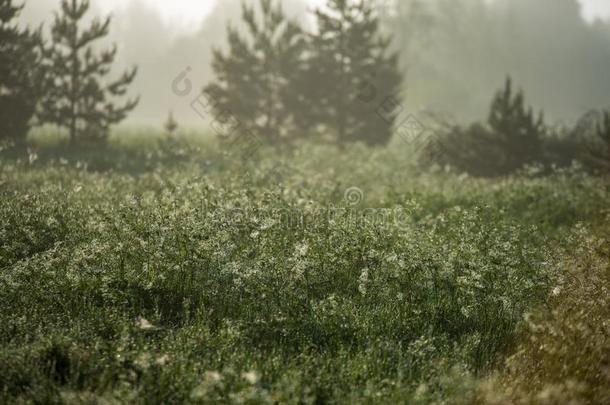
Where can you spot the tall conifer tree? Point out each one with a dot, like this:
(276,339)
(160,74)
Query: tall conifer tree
(78,97)
(255,78)
(352,71)
(519,133)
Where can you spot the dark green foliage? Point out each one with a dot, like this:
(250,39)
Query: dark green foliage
(587,142)
(77,96)
(512,139)
(351,72)
(255,86)
(467,150)
(565,145)
(333,82)
(603,127)
(603,131)
(19,75)
(519,132)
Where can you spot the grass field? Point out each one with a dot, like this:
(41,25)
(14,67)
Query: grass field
(181,271)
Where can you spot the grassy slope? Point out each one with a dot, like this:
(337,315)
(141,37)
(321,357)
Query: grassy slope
(261,283)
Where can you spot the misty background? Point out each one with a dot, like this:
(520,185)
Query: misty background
(454,53)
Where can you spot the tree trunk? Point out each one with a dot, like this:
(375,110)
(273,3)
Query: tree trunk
(72,125)
(73,96)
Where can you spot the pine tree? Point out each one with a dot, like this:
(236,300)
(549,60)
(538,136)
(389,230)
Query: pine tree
(351,73)
(254,79)
(19,75)
(518,133)
(78,98)
(170,126)
(512,138)
(603,131)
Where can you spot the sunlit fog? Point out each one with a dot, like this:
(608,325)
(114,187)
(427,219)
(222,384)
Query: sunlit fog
(305,202)
(450,65)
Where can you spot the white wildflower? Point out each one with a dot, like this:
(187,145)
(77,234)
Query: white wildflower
(267,224)
(162,360)
(143,360)
(211,380)
(213,377)
(144,324)
(363,280)
(32,156)
(251,377)
(302,249)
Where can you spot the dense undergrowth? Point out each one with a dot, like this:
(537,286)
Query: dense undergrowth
(565,354)
(184,272)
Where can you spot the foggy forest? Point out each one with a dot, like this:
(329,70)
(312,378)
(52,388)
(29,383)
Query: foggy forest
(305,201)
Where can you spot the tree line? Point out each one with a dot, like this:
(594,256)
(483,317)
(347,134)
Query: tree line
(514,137)
(457,52)
(286,83)
(279,82)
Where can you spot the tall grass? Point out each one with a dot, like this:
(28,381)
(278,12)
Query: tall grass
(178,272)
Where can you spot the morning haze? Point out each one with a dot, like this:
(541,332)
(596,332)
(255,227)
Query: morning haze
(266,202)
(453,53)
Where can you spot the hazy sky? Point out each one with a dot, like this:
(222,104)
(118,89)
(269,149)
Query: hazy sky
(188,14)
(191,12)
(151,34)
(593,8)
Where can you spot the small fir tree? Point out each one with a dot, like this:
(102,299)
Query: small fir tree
(19,75)
(170,126)
(79,98)
(255,78)
(352,72)
(519,133)
(512,138)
